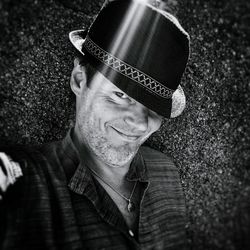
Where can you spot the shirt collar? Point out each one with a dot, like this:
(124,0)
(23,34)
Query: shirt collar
(137,170)
(80,177)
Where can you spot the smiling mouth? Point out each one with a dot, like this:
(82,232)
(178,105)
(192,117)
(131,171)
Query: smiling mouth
(126,136)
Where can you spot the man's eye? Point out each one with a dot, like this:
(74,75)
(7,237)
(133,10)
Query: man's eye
(121,95)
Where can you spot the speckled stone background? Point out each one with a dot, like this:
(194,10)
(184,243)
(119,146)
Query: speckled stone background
(210,142)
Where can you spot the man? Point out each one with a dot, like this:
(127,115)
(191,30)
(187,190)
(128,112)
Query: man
(98,188)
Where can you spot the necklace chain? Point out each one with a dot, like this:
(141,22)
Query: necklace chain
(108,184)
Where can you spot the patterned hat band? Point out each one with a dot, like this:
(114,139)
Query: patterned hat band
(127,70)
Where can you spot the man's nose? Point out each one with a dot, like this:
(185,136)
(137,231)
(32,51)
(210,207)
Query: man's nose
(137,117)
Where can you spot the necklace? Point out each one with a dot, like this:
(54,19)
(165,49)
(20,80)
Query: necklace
(131,205)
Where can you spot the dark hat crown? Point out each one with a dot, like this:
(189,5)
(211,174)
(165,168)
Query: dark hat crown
(140,49)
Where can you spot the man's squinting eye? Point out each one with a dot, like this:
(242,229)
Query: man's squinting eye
(121,95)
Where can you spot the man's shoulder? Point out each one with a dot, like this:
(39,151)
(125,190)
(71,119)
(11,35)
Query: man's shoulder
(157,161)
(154,155)
(18,163)
(163,174)
(21,153)
(32,159)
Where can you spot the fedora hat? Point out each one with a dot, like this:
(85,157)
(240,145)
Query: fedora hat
(140,49)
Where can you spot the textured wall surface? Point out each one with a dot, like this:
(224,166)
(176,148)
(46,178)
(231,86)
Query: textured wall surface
(210,142)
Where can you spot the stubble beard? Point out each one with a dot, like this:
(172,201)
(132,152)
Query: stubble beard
(103,148)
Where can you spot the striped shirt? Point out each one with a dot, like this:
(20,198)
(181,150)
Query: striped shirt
(54,203)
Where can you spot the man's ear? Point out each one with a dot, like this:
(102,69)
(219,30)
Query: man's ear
(78,79)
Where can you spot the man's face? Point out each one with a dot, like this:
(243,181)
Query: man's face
(111,124)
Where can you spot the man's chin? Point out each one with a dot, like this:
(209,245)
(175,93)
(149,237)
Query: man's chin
(117,157)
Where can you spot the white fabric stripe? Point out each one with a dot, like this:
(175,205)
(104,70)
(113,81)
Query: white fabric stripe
(13,170)
(127,70)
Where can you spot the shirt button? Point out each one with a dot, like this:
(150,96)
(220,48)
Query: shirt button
(131,233)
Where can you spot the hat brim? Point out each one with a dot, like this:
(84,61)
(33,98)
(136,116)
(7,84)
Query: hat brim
(178,98)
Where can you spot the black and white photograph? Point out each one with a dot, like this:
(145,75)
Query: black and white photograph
(124,125)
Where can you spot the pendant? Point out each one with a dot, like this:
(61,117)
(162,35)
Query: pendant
(131,206)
